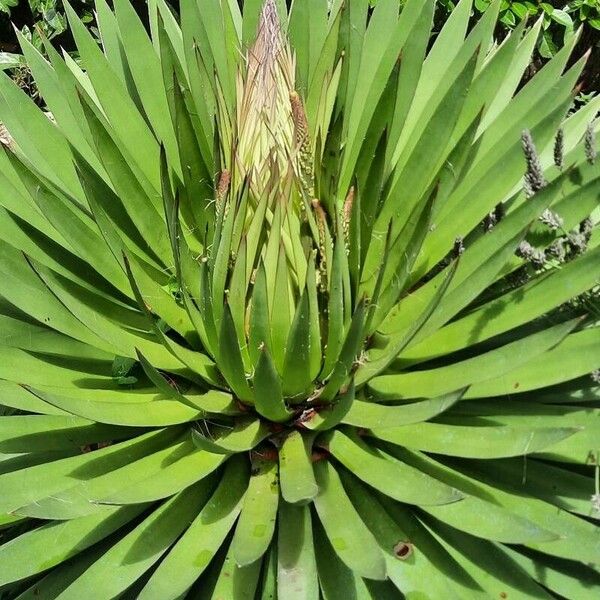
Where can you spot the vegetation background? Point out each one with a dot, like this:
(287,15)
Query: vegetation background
(561,20)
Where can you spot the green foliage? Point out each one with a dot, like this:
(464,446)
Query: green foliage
(560,20)
(298,303)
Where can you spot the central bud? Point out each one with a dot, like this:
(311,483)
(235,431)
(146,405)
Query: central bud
(278,308)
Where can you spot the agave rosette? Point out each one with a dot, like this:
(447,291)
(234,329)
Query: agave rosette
(281,319)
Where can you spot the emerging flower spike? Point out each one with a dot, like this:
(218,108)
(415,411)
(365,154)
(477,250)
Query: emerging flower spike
(264,139)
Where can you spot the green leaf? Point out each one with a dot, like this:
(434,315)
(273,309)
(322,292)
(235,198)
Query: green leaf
(296,563)
(129,125)
(503,523)
(119,407)
(194,550)
(349,536)
(391,477)
(256,525)
(337,581)
(133,555)
(296,377)
(574,357)
(296,477)
(332,413)
(230,359)
(33,433)
(423,569)
(474,442)
(268,395)
(487,365)
(348,354)
(243,435)
(371,415)
(499,315)
(49,545)
(152,477)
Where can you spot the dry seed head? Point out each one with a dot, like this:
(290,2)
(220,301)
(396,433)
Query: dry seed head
(534,177)
(589,141)
(527,252)
(559,148)
(551,219)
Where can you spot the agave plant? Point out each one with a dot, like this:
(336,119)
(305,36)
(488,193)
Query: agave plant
(298,305)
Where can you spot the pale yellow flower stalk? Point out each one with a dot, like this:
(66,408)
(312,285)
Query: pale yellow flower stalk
(265,125)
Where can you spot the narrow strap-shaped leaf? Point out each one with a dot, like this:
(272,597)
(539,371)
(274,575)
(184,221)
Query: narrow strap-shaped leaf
(488,365)
(203,299)
(236,299)
(138,199)
(502,524)
(296,377)
(475,442)
(85,496)
(268,583)
(112,216)
(156,412)
(144,65)
(194,550)
(159,300)
(194,468)
(420,571)
(391,477)
(347,533)
(124,116)
(18,397)
(268,395)
(382,358)
(230,359)
(336,579)
(333,413)
(280,310)
(241,436)
(52,543)
(403,255)
(574,357)
(425,157)
(335,313)
(154,534)
(348,354)
(43,142)
(234,581)
(220,256)
(296,563)
(296,477)
(411,64)
(33,433)
(534,299)
(260,331)
(371,415)
(256,525)
(315,352)
(38,481)
(487,562)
